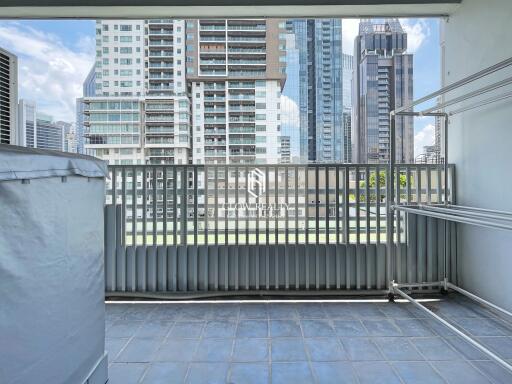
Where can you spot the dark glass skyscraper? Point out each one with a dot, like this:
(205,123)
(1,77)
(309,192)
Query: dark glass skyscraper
(383,81)
(319,46)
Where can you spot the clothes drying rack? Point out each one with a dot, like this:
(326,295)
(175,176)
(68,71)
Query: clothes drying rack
(446,211)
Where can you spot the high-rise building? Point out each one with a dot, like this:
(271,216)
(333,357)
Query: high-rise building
(319,46)
(236,69)
(290,101)
(383,81)
(156,79)
(69,137)
(167,137)
(49,134)
(348,65)
(140,112)
(113,116)
(27,131)
(88,90)
(8,97)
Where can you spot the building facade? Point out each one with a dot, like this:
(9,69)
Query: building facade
(348,66)
(88,90)
(179,91)
(140,112)
(290,100)
(27,121)
(8,97)
(167,132)
(383,81)
(49,134)
(319,46)
(236,72)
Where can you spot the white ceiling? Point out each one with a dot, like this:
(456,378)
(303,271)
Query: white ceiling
(346,9)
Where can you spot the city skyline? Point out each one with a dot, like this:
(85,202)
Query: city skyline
(76,44)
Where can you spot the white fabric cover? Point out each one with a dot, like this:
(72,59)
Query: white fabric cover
(17,163)
(52,309)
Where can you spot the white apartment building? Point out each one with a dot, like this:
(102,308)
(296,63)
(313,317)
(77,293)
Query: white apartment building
(119,58)
(167,107)
(140,113)
(236,69)
(201,91)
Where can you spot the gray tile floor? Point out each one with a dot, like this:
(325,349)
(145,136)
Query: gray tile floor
(302,342)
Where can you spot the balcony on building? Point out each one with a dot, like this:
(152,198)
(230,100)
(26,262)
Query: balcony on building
(239,270)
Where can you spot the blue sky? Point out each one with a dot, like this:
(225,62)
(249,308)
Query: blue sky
(56,55)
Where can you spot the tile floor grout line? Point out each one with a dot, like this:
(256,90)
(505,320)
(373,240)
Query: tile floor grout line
(307,316)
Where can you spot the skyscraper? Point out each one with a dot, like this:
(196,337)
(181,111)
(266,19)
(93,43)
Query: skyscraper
(27,131)
(319,47)
(383,81)
(49,134)
(236,70)
(113,116)
(140,111)
(290,100)
(167,132)
(8,97)
(348,65)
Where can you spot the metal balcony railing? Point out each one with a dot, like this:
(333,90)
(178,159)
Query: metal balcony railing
(266,204)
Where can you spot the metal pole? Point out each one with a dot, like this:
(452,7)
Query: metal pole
(463,213)
(478,299)
(481,103)
(418,285)
(484,72)
(458,207)
(389,199)
(479,346)
(469,95)
(458,219)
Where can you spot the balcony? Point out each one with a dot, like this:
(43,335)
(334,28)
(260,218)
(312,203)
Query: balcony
(273,273)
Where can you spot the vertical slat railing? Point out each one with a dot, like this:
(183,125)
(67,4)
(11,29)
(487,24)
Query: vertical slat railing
(276,201)
(195,195)
(216,205)
(327,197)
(237,217)
(287,202)
(154,213)
(206,202)
(306,189)
(164,207)
(144,206)
(134,206)
(174,206)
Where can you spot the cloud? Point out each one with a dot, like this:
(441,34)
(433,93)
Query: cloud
(49,72)
(417,30)
(425,136)
(417,33)
(290,114)
(349,31)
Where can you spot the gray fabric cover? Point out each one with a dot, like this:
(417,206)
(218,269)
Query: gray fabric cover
(52,309)
(18,163)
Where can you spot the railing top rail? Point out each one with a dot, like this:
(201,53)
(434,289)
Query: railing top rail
(286,165)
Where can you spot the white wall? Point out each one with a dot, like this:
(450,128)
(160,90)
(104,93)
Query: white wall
(478,35)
